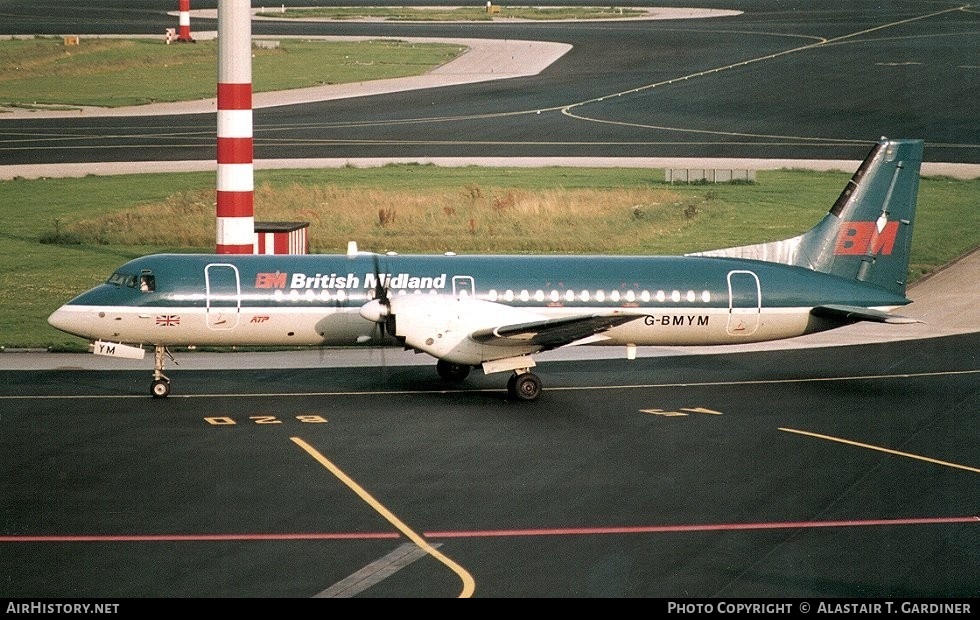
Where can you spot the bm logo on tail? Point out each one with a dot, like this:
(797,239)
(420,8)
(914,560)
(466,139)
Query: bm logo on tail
(864,238)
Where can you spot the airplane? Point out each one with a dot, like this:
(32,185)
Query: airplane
(496,312)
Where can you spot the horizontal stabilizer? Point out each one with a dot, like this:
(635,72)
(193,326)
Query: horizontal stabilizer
(860,313)
(551,333)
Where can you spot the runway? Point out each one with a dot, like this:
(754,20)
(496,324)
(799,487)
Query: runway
(839,466)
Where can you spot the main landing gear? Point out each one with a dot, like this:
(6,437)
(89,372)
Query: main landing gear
(160,387)
(452,372)
(523,385)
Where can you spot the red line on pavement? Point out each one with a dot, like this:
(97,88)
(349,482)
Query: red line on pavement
(558,531)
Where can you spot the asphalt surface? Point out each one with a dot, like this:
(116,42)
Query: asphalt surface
(777,81)
(486,60)
(803,475)
(839,465)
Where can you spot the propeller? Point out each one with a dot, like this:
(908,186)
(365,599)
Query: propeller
(378,309)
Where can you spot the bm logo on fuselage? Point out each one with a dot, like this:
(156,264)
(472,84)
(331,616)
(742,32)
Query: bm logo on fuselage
(270,280)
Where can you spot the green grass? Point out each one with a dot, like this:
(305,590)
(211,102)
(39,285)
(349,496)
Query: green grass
(506,210)
(44,72)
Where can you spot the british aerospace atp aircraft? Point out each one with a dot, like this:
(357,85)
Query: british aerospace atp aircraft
(496,311)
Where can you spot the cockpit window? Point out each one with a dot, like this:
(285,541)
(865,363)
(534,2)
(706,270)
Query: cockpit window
(122,279)
(146,281)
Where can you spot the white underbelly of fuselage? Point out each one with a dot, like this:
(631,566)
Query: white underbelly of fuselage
(275,326)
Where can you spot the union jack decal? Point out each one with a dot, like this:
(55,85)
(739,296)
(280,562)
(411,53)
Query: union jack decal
(168,320)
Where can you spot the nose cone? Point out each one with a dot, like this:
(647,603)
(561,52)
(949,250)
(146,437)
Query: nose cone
(374,310)
(69,319)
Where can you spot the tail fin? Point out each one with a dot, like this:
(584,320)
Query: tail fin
(867,234)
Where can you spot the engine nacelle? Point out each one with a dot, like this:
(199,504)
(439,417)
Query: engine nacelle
(441,325)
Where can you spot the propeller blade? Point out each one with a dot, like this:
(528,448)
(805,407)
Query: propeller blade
(378,309)
(380,290)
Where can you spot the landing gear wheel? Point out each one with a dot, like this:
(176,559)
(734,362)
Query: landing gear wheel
(450,371)
(160,388)
(524,387)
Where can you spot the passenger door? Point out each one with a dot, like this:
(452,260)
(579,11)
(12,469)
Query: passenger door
(744,303)
(223,296)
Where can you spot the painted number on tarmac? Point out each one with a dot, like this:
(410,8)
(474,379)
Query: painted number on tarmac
(264,419)
(683,411)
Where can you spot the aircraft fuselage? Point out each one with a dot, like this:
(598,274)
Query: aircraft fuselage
(316,299)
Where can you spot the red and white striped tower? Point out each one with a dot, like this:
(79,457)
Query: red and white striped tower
(184,36)
(235,192)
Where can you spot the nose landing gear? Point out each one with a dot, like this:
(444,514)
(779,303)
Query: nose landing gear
(160,387)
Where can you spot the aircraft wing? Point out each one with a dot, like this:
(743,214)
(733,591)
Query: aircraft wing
(551,333)
(859,313)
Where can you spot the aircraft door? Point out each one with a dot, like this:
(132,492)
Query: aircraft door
(223,295)
(464,287)
(744,303)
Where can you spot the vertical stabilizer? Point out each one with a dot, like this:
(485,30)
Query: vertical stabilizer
(867,234)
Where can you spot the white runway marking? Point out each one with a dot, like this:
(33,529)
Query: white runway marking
(375,572)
